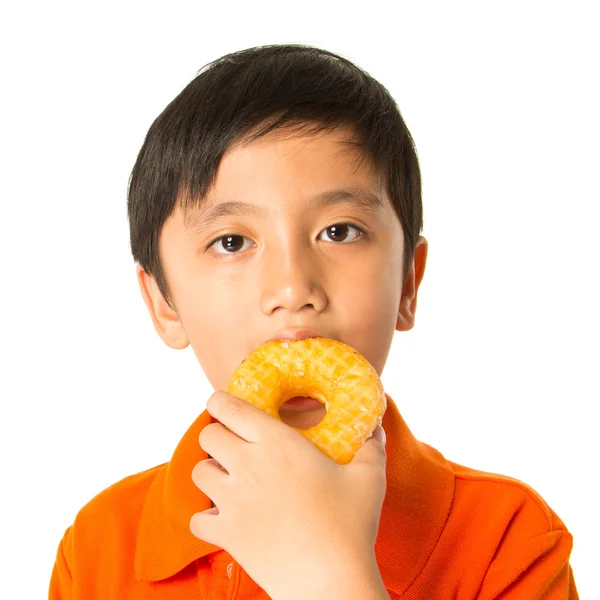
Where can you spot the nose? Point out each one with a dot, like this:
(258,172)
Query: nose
(291,281)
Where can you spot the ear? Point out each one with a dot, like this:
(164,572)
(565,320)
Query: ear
(410,289)
(165,320)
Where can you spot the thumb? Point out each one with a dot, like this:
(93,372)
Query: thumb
(374,448)
(379,434)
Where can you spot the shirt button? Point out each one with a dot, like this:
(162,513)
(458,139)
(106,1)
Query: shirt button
(229,570)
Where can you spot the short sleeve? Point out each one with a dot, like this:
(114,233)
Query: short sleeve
(61,582)
(538,569)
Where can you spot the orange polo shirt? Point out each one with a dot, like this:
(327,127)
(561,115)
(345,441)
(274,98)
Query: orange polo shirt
(446,531)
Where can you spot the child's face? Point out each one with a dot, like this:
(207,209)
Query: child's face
(286,267)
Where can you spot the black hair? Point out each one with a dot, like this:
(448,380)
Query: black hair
(241,97)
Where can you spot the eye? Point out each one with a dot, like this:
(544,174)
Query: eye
(231,244)
(340,232)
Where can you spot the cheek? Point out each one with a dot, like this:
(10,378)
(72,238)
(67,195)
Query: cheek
(218,346)
(219,317)
(374,308)
(218,331)
(214,296)
(370,312)
(375,289)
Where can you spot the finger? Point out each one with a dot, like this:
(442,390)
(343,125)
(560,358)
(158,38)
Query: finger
(211,480)
(205,526)
(245,420)
(379,434)
(223,445)
(373,450)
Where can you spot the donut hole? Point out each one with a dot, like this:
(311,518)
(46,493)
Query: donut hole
(299,414)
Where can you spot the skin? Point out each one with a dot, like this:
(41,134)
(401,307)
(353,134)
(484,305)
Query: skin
(288,270)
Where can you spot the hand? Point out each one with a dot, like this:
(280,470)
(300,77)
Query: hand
(296,521)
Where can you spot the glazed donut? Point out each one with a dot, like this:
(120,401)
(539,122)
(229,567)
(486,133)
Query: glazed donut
(333,373)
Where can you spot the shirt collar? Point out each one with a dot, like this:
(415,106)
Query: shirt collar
(419,493)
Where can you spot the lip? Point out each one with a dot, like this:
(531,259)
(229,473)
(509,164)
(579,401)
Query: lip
(295,334)
(302,405)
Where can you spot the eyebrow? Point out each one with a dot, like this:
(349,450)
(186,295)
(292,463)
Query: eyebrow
(364,201)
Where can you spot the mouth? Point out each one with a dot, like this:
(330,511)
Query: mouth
(295,334)
(301,404)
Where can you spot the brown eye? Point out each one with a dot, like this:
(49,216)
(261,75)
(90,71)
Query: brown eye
(342,232)
(231,244)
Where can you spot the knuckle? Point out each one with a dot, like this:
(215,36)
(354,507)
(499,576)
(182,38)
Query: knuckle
(232,404)
(233,408)
(221,402)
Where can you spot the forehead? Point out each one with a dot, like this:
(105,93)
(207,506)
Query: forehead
(300,143)
(314,169)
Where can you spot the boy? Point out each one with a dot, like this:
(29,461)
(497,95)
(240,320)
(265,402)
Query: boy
(279,196)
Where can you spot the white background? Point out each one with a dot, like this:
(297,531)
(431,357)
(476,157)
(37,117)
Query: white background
(501,370)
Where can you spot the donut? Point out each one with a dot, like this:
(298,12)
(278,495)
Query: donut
(329,371)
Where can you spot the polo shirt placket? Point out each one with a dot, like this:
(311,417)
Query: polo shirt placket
(220,577)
